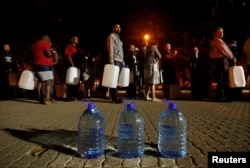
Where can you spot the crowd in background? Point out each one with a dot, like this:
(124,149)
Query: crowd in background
(150,64)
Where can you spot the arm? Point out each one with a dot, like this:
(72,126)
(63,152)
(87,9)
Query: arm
(47,50)
(223,49)
(56,58)
(47,53)
(110,46)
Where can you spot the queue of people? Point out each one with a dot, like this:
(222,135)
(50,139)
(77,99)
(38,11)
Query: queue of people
(149,66)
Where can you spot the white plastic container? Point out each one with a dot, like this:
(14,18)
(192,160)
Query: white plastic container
(236,77)
(124,77)
(73,76)
(27,80)
(110,76)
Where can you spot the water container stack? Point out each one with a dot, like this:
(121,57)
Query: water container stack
(91,133)
(172,138)
(130,133)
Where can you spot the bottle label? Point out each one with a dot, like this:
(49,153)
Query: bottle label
(126,131)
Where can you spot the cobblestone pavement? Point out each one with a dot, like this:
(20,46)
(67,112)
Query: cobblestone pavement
(44,136)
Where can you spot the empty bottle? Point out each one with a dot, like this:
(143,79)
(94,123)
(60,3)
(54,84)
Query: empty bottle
(130,133)
(172,139)
(91,133)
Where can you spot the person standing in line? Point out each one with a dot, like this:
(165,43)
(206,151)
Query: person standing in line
(8,64)
(169,70)
(221,55)
(42,66)
(151,70)
(195,74)
(131,62)
(55,60)
(205,70)
(88,75)
(74,57)
(116,55)
(141,60)
(246,50)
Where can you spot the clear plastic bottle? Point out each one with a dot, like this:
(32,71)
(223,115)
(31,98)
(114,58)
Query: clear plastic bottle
(91,133)
(172,139)
(130,133)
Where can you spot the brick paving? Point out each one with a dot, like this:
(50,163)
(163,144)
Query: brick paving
(44,136)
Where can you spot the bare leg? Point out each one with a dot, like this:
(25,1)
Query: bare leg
(107,93)
(38,89)
(147,91)
(47,92)
(154,98)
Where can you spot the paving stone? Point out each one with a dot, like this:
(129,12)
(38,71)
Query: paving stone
(25,125)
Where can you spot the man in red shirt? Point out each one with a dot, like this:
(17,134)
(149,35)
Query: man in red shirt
(42,65)
(74,57)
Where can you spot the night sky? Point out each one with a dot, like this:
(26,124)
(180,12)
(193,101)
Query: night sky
(23,22)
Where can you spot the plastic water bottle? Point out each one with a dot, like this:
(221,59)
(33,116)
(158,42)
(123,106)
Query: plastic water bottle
(172,140)
(130,133)
(91,133)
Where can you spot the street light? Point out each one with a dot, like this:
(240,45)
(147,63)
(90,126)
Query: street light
(146,37)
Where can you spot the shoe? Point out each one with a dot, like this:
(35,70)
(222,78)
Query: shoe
(117,101)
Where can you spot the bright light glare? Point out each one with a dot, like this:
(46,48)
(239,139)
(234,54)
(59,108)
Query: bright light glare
(146,37)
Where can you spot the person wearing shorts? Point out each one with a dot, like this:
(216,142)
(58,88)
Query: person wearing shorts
(42,66)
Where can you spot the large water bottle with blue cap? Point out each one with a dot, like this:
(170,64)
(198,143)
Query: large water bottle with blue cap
(91,133)
(172,138)
(130,133)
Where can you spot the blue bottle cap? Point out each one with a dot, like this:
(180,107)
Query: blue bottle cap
(172,106)
(130,105)
(91,105)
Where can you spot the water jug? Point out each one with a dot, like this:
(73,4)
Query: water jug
(91,133)
(27,80)
(110,76)
(124,77)
(72,76)
(130,133)
(172,138)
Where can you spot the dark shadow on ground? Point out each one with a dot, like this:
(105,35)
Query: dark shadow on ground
(65,141)
(25,100)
